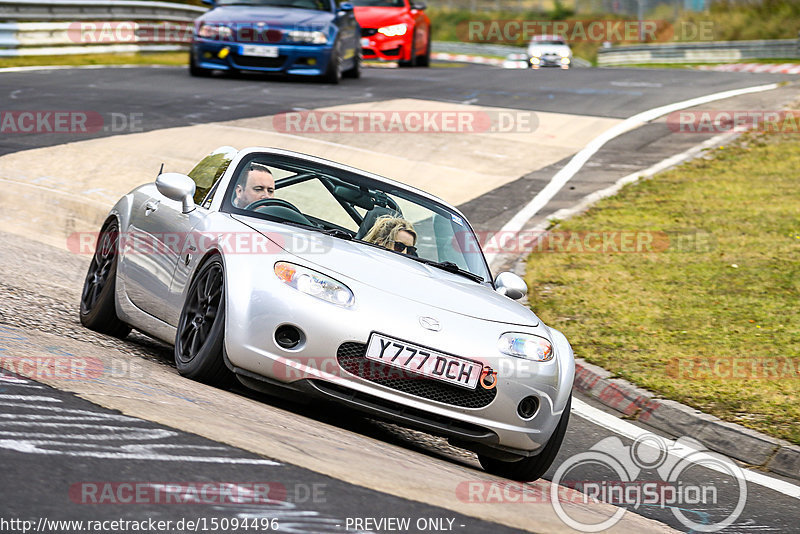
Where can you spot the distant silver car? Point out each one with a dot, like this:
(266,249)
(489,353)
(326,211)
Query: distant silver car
(285,293)
(549,51)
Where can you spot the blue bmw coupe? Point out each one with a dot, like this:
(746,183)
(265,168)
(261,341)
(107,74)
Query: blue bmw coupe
(316,38)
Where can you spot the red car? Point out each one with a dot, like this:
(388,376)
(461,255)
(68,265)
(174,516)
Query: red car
(394,30)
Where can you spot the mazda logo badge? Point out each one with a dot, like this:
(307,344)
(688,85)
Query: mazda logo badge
(430,323)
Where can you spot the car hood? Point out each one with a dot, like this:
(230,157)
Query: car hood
(377,16)
(272,16)
(549,49)
(394,274)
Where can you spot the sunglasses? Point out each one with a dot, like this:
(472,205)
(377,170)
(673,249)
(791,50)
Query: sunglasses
(402,247)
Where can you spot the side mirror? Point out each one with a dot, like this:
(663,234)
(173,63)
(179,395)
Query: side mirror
(346,6)
(419,6)
(510,285)
(176,186)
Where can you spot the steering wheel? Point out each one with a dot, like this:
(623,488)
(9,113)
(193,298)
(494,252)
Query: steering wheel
(272,202)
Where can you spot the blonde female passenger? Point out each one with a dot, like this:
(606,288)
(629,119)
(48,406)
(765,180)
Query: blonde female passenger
(394,233)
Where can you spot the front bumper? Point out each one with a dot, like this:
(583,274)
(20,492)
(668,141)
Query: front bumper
(550,61)
(294,59)
(254,315)
(379,47)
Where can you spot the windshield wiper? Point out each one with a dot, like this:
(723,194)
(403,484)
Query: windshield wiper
(341,234)
(450,267)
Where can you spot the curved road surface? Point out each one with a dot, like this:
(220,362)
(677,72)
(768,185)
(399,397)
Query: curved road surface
(82,449)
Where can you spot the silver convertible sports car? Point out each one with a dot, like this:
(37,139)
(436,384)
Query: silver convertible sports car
(303,277)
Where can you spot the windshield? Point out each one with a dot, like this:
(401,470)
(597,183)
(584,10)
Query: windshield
(353,207)
(379,3)
(319,5)
(548,42)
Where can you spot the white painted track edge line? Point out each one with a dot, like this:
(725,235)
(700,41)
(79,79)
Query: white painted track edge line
(577,162)
(631,431)
(591,198)
(662,165)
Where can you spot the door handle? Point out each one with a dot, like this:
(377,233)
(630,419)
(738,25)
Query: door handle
(150,207)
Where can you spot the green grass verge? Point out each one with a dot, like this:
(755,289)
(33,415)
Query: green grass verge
(730,300)
(158,58)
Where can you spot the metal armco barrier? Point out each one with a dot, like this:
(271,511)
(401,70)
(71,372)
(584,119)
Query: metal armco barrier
(707,52)
(101,37)
(86,26)
(455,48)
(72,10)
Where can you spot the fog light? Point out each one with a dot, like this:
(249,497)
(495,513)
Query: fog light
(207,55)
(288,336)
(311,61)
(527,407)
(223,53)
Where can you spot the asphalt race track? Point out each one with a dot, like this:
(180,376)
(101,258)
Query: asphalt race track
(79,449)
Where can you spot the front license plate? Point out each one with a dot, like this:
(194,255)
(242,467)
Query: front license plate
(260,51)
(422,361)
(364,41)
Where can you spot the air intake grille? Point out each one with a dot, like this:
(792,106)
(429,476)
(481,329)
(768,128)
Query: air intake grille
(259,62)
(351,358)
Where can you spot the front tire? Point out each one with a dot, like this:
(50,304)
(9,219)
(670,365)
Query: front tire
(425,59)
(196,71)
(355,71)
(334,73)
(530,469)
(201,328)
(98,309)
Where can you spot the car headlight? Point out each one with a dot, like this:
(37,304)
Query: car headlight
(394,30)
(564,53)
(526,346)
(315,284)
(218,32)
(310,37)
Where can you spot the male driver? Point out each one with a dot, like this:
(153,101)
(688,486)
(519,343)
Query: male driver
(258,185)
